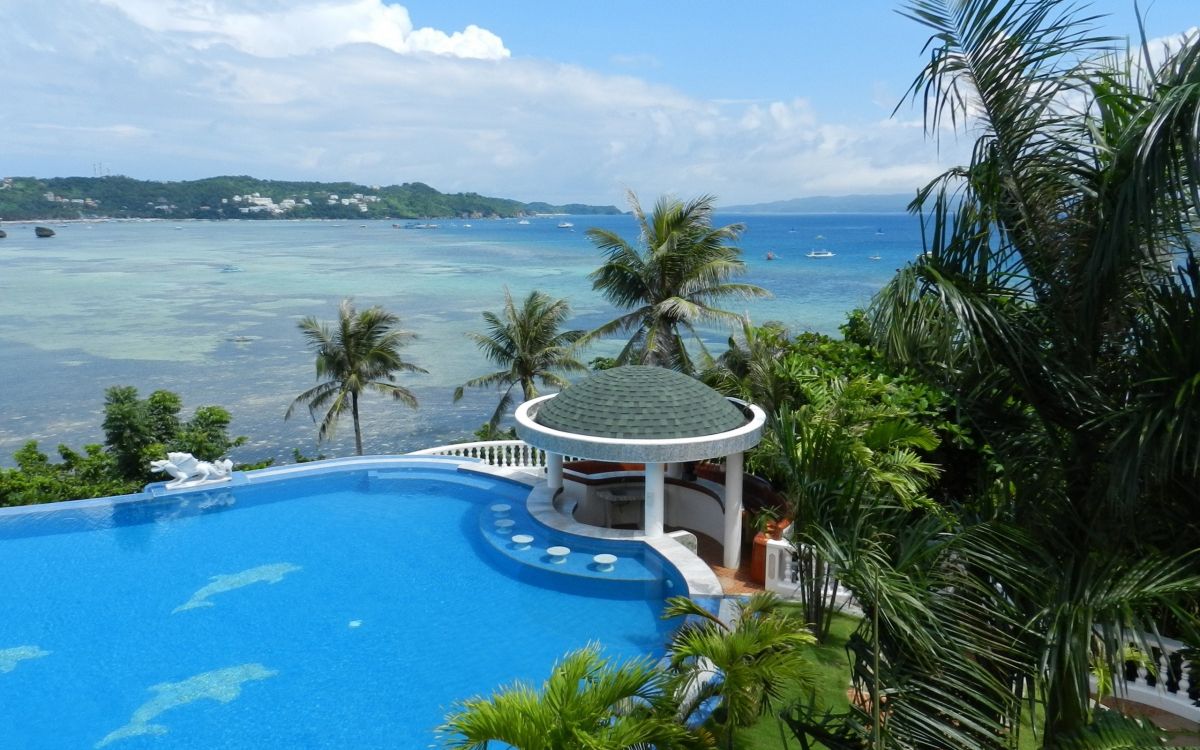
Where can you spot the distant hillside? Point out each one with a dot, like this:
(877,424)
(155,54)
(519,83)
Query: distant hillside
(243,197)
(830,204)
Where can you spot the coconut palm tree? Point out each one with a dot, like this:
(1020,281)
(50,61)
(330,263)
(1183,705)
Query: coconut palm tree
(360,353)
(528,345)
(1060,276)
(749,665)
(672,282)
(588,702)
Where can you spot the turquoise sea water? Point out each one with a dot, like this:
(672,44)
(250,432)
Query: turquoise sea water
(349,610)
(156,305)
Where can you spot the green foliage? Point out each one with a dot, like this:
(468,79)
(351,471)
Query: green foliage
(596,364)
(489,432)
(749,665)
(528,345)
(1057,304)
(211,198)
(588,703)
(36,479)
(139,431)
(672,283)
(300,458)
(857,328)
(361,353)
(206,435)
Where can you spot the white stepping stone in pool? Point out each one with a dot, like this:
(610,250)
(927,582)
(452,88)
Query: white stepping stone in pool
(501,509)
(558,554)
(522,541)
(505,525)
(604,562)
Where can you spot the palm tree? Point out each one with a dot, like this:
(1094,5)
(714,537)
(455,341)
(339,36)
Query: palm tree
(753,369)
(528,345)
(1060,280)
(587,703)
(672,283)
(749,665)
(846,448)
(361,354)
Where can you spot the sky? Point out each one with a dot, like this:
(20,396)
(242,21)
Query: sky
(562,102)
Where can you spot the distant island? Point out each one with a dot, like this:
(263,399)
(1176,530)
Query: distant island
(32,198)
(893,203)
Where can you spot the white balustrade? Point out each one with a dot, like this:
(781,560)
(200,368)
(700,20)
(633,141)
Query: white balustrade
(1163,679)
(515,454)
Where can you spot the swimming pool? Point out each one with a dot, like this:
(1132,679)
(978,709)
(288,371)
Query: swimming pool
(316,608)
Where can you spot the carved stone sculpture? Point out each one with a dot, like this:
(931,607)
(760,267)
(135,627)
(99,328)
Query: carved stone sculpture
(188,470)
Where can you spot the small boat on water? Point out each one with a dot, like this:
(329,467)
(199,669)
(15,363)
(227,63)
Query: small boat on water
(524,221)
(565,225)
(43,231)
(770,255)
(231,269)
(874,257)
(820,254)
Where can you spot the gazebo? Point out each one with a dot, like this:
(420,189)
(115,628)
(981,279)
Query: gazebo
(652,416)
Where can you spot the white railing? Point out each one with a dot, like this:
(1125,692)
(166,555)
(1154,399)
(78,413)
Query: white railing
(515,454)
(1163,679)
(779,568)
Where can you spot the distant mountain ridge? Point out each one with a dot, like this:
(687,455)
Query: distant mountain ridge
(243,197)
(829,204)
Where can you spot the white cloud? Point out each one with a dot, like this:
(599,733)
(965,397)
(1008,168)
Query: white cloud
(270,28)
(189,92)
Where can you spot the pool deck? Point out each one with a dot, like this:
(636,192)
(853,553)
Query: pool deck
(735,581)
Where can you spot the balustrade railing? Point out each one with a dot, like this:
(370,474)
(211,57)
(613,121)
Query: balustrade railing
(1163,678)
(515,454)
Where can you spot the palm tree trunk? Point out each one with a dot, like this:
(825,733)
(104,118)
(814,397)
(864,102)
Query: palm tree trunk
(357,427)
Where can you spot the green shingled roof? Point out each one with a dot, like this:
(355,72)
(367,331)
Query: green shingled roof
(640,403)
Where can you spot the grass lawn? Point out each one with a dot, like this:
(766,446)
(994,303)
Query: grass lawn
(833,680)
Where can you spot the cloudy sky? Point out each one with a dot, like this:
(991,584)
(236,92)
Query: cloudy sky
(525,99)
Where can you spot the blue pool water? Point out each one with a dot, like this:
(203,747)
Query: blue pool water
(349,610)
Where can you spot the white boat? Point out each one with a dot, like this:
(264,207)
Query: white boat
(820,254)
(565,225)
(523,221)
(874,257)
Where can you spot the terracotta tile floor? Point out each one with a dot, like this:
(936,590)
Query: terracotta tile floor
(735,582)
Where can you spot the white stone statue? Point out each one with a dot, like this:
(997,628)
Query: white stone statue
(189,471)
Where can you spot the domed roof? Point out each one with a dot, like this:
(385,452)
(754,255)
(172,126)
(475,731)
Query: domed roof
(637,402)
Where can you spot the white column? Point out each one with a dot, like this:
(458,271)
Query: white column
(733,510)
(655,499)
(554,471)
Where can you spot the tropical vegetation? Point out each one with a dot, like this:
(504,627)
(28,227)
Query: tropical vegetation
(588,702)
(1058,303)
(360,353)
(212,198)
(671,282)
(747,666)
(527,343)
(137,431)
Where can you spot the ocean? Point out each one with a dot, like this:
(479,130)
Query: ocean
(209,310)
